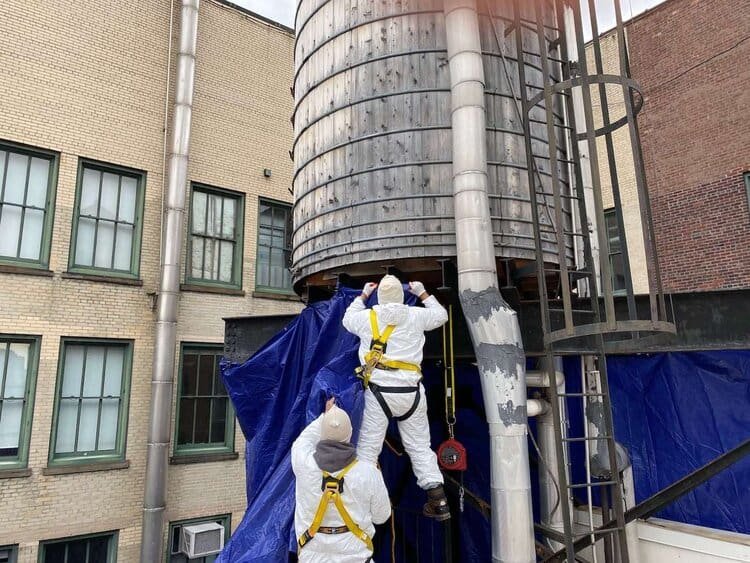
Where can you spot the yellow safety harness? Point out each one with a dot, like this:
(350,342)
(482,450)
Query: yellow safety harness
(332,487)
(375,359)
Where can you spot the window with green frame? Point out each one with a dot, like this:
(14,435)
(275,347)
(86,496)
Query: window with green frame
(175,555)
(106,238)
(93,548)
(616,260)
(215,242)
(205,417)
(91,401)
(8,553)
(19,357)
(274,246)
(27,193)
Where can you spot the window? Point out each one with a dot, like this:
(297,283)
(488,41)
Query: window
(747,187)
(215,253)
(106,235)
(8,554)
(175,555)
(27,180)
(616,260)
(100,548)
(274,246)
(18,363)
(91,401)
(205,418)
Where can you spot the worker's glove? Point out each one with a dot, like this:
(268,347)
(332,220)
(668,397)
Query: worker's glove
(416,288)
(369,288)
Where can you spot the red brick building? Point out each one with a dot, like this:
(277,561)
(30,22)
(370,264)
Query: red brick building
(692,59)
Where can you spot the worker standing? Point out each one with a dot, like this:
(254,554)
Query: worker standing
(338,500)
(391,341)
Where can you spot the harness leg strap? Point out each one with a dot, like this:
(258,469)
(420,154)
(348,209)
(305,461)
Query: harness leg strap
(375,389)
(413,408)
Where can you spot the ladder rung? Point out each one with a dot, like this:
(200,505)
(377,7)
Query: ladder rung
(580,394)
(595,484)
(599,532)
(587,439)
(572,311)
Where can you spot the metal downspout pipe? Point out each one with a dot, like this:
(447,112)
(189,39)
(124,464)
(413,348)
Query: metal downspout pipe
(493,325)
(159,430)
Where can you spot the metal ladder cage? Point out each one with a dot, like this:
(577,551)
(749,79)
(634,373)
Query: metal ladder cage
(577,302)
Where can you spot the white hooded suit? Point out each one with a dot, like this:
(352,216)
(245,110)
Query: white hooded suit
(405,344)
(364,495)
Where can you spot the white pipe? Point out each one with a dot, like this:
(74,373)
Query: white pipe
(541,379)
(631,530)
(154,498)
(537,407)
(492,324)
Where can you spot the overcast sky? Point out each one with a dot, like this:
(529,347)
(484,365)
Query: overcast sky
(282,11)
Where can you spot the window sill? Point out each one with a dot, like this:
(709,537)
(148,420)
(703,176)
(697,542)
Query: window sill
(85,467)
(260,294)
(25,270)
(187,459)
(197,288)
(14,473)
(102,279)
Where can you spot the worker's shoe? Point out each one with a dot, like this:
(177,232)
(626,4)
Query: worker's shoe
(437,505)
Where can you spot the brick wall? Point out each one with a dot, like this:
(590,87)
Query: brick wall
(89,79)
(691,60)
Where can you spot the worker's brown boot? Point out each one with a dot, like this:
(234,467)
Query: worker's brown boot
(437,505)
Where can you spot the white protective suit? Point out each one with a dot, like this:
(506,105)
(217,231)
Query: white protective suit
(405,344)
(365,497)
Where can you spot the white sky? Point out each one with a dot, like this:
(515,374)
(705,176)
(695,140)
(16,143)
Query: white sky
(282,11)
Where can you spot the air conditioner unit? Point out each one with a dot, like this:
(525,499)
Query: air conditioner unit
(199,540)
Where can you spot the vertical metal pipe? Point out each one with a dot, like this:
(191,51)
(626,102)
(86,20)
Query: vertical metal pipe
(154,498)
(493,325)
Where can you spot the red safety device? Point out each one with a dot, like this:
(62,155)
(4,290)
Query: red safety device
(452,455)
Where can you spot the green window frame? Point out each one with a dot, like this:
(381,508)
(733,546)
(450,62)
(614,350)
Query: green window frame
(8,554)
(215,235)
(28,179)
(747,187)
(89,548)
(19,357)
(204,418)
(614,250)
(87,389)
(173,554)
(107,220)
(274,247)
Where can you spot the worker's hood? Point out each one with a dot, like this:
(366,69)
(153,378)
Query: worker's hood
(332,456)
(392,313)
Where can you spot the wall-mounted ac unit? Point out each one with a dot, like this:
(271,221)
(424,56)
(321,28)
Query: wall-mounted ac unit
(199,540)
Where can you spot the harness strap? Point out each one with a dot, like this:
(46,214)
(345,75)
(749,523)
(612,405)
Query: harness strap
(333,486)
(379,390)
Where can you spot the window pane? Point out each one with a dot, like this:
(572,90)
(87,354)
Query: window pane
(90,192)
(211,266)
(110,187)
(104,240)
(3,155)
(189,374)
(85,242)
(15,178)
(199,212)
(88,424)
(38,176)
(123,246)
(108,424)
(229,219)
(279,218)
(185,430)
(265,214)
(218,385)
(98,548)
(54,553)
(77,551)
(72,371)
(227,261)
(264,258)
(113,371)
(10,426)
(66,425)
(33,225)
(218,420)
(128,194)
(10,227)
(196,257)
(15,376)
(206,374)
(92,382)
(202,414)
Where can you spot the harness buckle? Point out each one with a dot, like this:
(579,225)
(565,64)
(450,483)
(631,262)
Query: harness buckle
(332,484)
(304,538)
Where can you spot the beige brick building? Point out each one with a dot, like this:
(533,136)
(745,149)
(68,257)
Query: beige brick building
(82,150)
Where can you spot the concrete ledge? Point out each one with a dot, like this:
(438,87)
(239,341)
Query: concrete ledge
(260,294)
(25,270)
(202,458)
(198,288)
(14,473)
(102,279)
(85,468)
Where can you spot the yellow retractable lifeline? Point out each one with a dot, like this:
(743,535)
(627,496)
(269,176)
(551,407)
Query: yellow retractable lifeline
(332,489)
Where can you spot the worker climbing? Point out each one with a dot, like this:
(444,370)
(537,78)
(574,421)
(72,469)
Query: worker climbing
(391,341)
(337,524)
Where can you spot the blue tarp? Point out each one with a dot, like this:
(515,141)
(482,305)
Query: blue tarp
(673,412)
